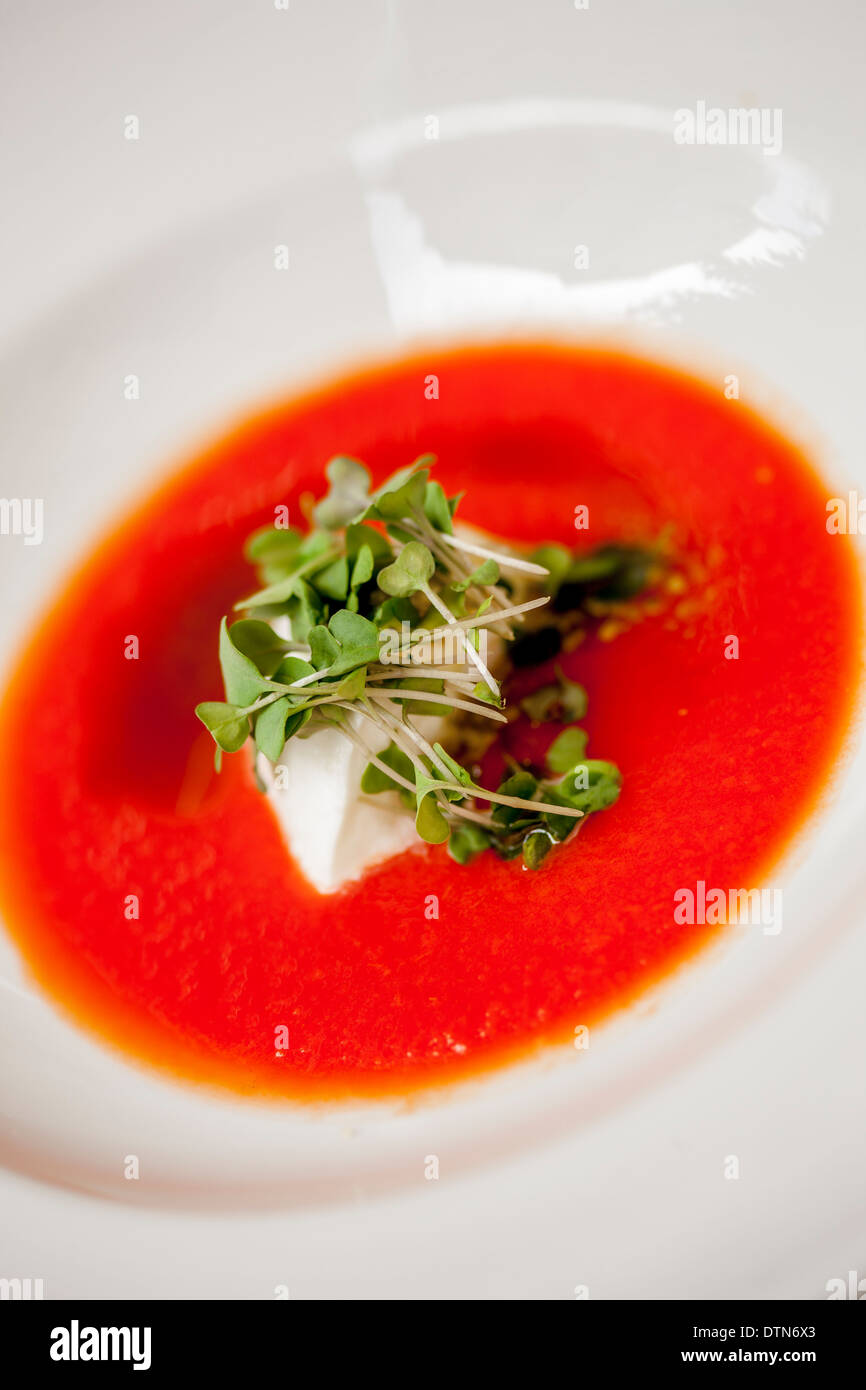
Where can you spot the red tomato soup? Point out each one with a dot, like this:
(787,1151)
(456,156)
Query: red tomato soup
(108,788)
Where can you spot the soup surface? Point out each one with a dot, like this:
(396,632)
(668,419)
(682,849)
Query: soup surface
(425,970)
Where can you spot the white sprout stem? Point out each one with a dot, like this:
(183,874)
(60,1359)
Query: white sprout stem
(455,563)
(464,684)
(390,724)
(308,680)
(431,538)
(458,675)
(461,688)
(452,622)
(506,562)
(374,759)
(301,649)
(261,702)
(457,687)
(426,748)
(548,807)
(326,695)
(481,793)
(450,619)
(399,729)
(465,814)
(395,732)
(473,706)
(393,724)
(394,727)
(448,808)
(484,619)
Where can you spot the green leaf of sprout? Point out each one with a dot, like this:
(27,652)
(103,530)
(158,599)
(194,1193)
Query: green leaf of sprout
(556,559)
(457,771)
(591,786)
(402,493)
(333,580)
(573,696)
(436,508)
(520,784)
(348,495)
(411,570)
(273,545)
(508,847)
(270,730)
(482,691)
(402,496)
(394,611)
(305,610)
(296,721)
(358,639)
(567,750)
(358,535)
(614,571)
(560,827)
(324,650)
(312,555)
(428,683)
(562,702)
(291,669)
(374,780)
(430,822)
(329,714)
(351,687)
(243,681)
(362,570)
(276,724)
(258,641)
(314,546)
(424,783)
(229,726)
(466,841)
(487,573)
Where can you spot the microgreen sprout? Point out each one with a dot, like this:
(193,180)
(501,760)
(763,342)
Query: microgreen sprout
(380,570)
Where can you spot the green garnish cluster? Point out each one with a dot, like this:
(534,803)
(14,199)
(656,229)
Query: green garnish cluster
(340,635)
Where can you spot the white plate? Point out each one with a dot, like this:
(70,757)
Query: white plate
(602,1169)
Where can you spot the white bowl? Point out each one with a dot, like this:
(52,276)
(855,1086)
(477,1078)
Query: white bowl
(718,259)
